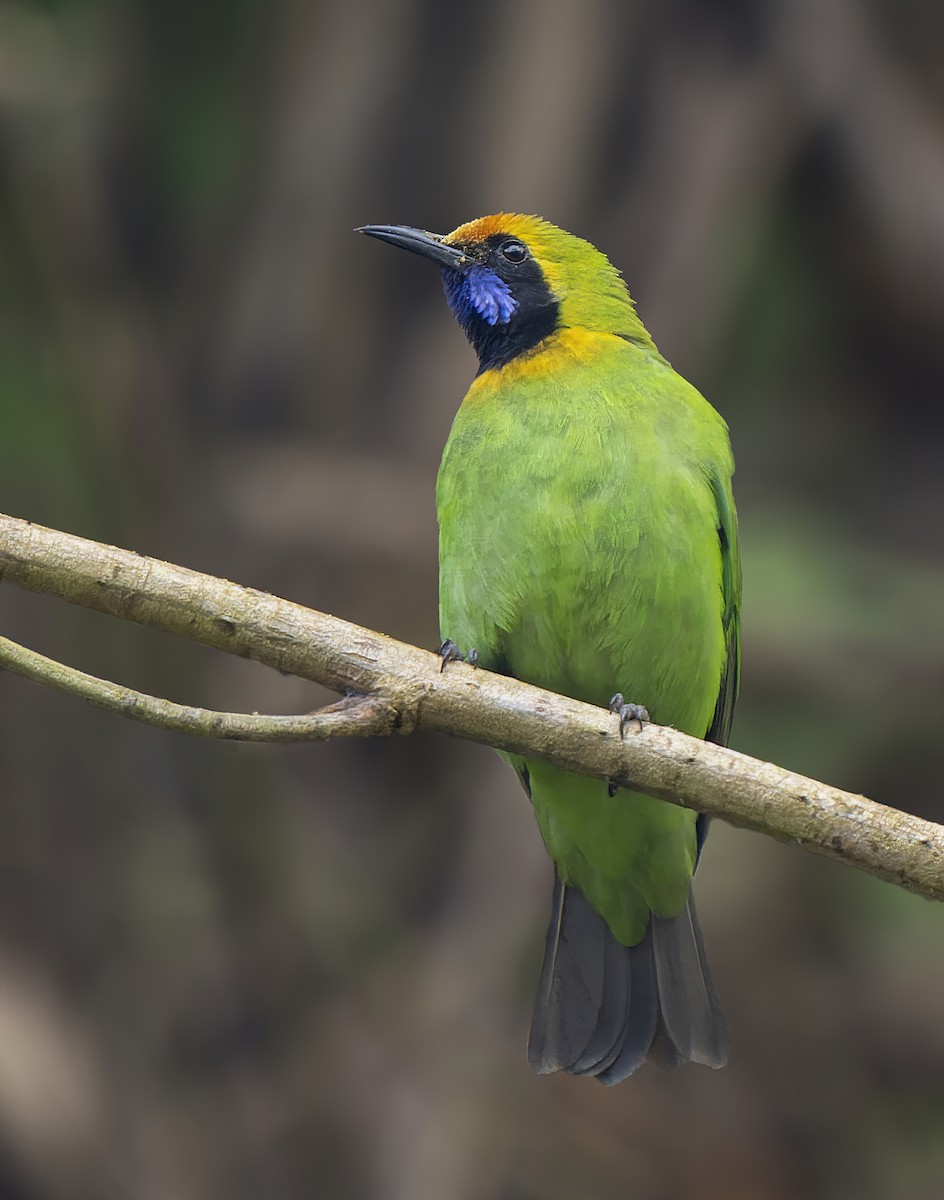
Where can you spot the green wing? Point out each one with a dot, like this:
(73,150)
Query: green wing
(720,729)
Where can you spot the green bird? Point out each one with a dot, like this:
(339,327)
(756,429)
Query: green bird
(588,543)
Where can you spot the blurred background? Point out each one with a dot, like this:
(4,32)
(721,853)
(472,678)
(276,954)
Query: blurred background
(291,972)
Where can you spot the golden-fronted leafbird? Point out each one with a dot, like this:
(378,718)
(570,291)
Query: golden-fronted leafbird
(588,544)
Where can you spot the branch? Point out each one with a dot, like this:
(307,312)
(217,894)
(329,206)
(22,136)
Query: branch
(504,713)
(354,716)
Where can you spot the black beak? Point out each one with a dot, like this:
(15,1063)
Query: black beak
(429,245)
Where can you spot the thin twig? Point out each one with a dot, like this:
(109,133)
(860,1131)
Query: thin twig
(354,716)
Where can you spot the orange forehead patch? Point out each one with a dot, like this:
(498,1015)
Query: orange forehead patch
(483,228)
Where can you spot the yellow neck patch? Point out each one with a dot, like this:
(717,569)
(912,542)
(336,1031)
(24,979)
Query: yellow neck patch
(562,349)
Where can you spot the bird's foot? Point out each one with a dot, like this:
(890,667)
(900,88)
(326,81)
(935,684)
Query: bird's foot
(450,652)
(628,712)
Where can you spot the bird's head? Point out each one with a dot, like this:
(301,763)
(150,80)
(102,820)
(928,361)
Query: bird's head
(512,281)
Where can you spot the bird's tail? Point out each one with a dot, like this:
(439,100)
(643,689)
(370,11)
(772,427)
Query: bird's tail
(603,1008)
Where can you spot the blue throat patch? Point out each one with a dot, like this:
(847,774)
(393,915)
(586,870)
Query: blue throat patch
(478,292)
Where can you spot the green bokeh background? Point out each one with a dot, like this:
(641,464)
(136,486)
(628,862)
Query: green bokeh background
(243,972)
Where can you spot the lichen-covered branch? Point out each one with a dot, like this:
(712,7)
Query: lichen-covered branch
(413,694)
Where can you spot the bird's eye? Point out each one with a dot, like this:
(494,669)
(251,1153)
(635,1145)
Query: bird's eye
(514,252)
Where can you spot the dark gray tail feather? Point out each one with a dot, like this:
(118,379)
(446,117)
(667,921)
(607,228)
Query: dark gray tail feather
(603,1008)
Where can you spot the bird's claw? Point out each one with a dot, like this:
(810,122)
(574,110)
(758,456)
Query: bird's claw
(450,652)
(628,712)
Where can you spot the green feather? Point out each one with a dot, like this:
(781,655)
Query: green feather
(579,511)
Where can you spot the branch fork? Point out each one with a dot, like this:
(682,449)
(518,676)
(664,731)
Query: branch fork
(391,687)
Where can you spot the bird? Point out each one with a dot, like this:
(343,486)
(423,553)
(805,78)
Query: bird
(588,545)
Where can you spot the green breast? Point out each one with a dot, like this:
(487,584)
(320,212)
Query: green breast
(579,550)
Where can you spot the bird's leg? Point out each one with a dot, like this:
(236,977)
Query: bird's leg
(628,712)
(450,652)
